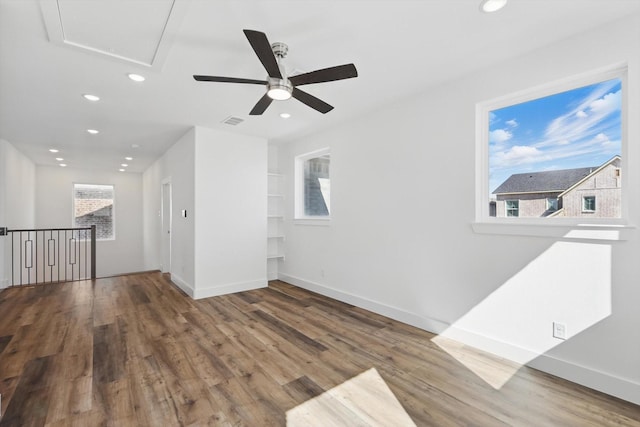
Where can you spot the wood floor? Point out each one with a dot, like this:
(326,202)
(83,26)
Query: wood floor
(135,351)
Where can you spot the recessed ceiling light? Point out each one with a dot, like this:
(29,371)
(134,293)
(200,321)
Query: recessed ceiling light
(120,170)
(124,165)
(59,159)
(53,150)
(90,97)
(285,115)
(135,146)
(93,131)
(489,6)
(128,158)
(63,165)
(136,77)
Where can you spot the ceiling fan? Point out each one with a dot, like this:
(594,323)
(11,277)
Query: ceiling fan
(280,86)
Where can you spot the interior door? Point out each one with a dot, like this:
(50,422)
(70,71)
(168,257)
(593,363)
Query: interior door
(166,227)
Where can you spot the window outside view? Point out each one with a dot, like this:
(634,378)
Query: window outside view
(93,205)
(317,186)
(558,156)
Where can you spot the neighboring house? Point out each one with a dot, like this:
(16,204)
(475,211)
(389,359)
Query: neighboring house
(582,192)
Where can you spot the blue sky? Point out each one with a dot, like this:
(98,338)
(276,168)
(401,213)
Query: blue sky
(577,128)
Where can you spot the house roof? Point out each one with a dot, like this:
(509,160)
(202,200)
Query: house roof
(547,181)
(550,181)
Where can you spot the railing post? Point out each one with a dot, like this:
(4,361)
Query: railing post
(93,252)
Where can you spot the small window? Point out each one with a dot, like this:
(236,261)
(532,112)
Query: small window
(512,208)
(313,185)
(93,205)
(589,204)
(552,204)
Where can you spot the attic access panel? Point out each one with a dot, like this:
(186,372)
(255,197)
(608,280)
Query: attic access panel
(135,31)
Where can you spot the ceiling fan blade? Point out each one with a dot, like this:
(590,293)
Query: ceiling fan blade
(330,74)
(261,105)
(228,80)
(262,48)
(311,101)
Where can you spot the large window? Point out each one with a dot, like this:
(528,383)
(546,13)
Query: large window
(546,148)
(313,185)
(93,205)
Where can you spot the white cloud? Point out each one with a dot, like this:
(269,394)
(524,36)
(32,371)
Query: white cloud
(584,121)
(519,155)
(607,104)
(500,135)
(601,137)
(512,123)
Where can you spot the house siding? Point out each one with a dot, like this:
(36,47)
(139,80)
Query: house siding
(605,186)
(532,205)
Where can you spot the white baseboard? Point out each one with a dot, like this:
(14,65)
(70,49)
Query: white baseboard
(606,383)
(187,288)
(432,325)
(4,283)
(230,288)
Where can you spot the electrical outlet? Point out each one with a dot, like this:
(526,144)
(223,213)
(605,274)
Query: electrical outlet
(559,330)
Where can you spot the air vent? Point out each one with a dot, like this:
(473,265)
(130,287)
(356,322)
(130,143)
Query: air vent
(233,121)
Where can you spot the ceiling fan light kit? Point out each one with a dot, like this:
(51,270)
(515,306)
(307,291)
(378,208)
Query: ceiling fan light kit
(278,86)
(279,89)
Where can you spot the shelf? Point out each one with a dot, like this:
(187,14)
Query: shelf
(275,237)
(274,174)
(275,195)
(275,216)
(275,256)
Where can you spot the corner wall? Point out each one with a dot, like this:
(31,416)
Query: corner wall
(17,198)
(231,212)
(400,240)
(176,165)
(220,180)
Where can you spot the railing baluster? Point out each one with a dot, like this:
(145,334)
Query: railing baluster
(21,272)
(36,258)
(93,252)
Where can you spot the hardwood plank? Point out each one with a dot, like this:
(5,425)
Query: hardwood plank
(136,351)
(4,341)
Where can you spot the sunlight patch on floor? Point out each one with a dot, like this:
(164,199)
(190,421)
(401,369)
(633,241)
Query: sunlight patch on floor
(494,370)
(364,400)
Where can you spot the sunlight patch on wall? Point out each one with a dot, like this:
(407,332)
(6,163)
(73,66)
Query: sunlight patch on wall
(569,283)
(364,400)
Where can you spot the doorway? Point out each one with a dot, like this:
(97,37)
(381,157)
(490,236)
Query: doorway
(166,227)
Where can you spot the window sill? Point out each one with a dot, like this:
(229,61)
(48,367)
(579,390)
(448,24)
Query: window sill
(610,232)
(323,222)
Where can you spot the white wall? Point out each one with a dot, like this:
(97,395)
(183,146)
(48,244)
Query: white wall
(231,212)
(177,165)
(54,208)
(219,178)
(17,198)
(400,240)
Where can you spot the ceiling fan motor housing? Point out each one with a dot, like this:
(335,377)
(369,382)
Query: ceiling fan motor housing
(280,49)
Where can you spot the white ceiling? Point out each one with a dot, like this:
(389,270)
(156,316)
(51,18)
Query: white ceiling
(400,48)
